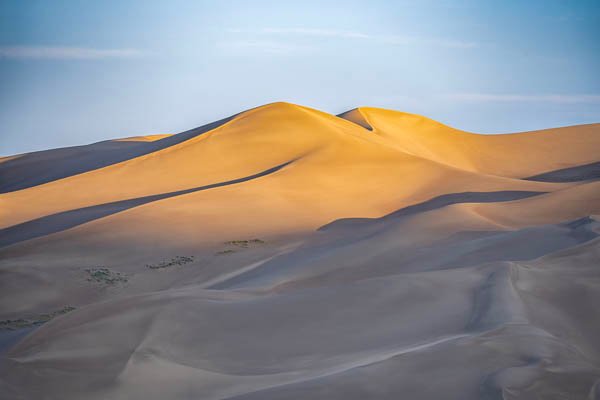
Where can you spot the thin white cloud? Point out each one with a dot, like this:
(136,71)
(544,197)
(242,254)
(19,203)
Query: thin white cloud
(516,98)
(415,40)
(266,46)
(355,35)
(317,32)
(65,53)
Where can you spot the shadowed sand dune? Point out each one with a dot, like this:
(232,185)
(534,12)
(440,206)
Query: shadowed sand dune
(356,116)
(69,219)
(27,170)
(572,174)
(442,201)
(287,253)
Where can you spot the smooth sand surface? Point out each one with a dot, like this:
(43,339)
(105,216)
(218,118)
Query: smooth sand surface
(286,253)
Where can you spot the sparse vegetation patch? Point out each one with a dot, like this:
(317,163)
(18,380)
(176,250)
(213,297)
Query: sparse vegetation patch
(223,252)
(240,244)
(177,260)
(245,243)
(105,276)
(14,324)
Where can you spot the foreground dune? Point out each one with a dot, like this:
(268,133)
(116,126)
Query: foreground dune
(288,253)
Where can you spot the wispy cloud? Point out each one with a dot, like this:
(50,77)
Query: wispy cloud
(407,40)
(356,35)
(266,46)
(65,53)
(317,32)
(539,98)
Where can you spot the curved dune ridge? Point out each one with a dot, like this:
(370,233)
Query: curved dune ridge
(287,253)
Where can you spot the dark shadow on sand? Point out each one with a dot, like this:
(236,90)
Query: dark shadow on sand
(40,167)
(358,120)
(9,338)
(585,172)
(69,219)
(435,203)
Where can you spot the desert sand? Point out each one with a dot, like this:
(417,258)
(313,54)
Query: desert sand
(287,253)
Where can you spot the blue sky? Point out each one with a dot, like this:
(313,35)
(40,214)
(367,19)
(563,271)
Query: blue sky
(74,72)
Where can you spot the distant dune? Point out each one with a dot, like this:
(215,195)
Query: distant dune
(287,253)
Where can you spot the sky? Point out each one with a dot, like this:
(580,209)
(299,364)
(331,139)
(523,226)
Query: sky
(74,72)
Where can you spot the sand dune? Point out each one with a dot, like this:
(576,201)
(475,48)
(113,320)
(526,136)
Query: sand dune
(27,170)
(287,253)
(515,155)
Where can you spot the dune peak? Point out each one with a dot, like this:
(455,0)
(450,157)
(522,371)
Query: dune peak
(167,260)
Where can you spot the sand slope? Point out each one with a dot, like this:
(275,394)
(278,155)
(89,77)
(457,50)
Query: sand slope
(288,253)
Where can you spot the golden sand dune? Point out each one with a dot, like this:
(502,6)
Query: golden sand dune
(516,155)
(289,253)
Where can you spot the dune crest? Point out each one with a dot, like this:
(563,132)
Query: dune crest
(145,138)
(285,252)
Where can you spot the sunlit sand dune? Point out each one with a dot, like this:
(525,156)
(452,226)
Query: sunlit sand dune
(516,155)
(287,253)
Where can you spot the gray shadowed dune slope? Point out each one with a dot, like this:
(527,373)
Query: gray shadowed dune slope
(378,249)
(478,331)
(392,257)
(571,174)
(439,202)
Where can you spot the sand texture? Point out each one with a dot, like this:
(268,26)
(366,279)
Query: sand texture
(287,253)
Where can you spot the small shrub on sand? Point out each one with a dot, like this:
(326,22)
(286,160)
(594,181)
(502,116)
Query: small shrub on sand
(245,243)
(223,252)
(105,276)
(177,260)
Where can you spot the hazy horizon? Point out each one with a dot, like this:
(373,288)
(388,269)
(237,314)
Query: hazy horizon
(74,75)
